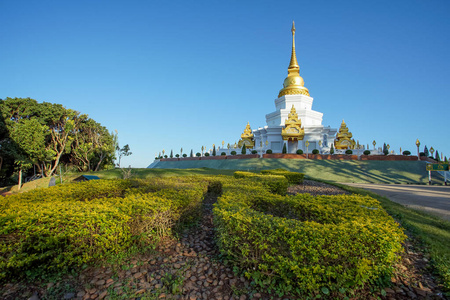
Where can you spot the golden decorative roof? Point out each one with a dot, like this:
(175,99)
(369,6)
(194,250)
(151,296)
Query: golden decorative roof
(344,138)
(293,84)
(247,138)
(293,127)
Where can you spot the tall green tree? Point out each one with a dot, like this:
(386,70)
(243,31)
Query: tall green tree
(29,137)
(58,132)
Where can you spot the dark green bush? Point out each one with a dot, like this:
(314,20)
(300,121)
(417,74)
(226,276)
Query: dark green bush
(315,151)
(244,150)
(185,155)
(421,154)
(233,152)
(198,154)
(206,153)
(366,152)
(348,151)
(269,151)
(254,152)
(223,154)
(284,149)
(299,151)
(406,152)
(177,155)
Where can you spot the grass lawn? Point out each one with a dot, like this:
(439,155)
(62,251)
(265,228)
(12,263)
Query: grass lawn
(397,172)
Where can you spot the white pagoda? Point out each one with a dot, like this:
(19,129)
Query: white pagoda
(293,122)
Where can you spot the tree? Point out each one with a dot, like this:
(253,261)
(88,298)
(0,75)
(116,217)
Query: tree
(125,151)
(171,153)
(332,148)
(284,148)
(192,153)
(385,149)
(425,150)
(61,123)
(244,149)
(29,138)
(214,150)
(437,158)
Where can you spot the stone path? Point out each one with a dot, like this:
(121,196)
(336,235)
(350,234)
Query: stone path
(191,269)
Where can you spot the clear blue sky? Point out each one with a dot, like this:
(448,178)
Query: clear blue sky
(172,74)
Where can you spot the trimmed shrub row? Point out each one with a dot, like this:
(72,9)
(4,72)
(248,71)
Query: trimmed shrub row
(66,226)
(292,177)
(276,184)
(302,244)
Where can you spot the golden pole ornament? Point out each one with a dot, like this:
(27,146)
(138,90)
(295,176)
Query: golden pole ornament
(432,151)
(418,145)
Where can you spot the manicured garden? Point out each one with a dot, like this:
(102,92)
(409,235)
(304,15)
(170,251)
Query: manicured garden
(296,245)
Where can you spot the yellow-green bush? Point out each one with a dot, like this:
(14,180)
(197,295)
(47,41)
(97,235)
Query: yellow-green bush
(69,225)
(277,184)
(292,177)
(300,244)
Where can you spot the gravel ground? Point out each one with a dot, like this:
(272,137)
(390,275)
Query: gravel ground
(315,188)
(190,268)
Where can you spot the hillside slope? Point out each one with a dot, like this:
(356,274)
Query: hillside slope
(399,172)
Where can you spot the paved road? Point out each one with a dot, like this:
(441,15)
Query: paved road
(432,199)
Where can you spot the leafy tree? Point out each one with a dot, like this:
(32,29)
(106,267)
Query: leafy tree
(125,151)
(332,148)
(425,150)
(284,148)
(244,150)
(198,154)
(436,157)
(29,138)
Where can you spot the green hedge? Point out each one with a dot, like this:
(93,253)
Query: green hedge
(276,184)
(67,226)
(292,177)
(302,244)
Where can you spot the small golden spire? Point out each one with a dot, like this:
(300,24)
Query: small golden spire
(293,84)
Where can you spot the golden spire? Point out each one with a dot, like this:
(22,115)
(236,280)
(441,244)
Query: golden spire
(293,84)
(293,65)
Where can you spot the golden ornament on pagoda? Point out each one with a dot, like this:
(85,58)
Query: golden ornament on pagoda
(247,138)
(293,127)
(293,84)
(344,139)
